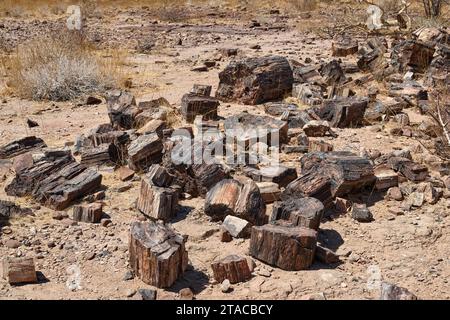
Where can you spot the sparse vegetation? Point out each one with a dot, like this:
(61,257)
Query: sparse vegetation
(60,67)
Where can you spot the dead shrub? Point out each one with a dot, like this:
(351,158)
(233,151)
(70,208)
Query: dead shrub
(59,67)
(302,5)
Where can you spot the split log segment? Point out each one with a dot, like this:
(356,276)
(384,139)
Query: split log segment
(332,73)
(144,151)
(156,202)
(296,118)
(343,112)
(233,267)
(159,176)
(412,54)
(19,270)
(343,46)
(72,182)
(26,180)
(307,74)
(372,55)
(201,89)
(347,171)
(230,197)
(104,154)
(302,212)
(207,175)
(122,109)
(284,246)
(386,178)
(250,204)
(255,80)
(193,105)
(249,129)
(308,93)
(279,174)
(88,213)
(270,191)
(157,253)
(319,146)
(55,180)
(21,146)
(411,170)
(311,184)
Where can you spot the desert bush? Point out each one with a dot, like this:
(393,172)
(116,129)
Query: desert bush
(59,67)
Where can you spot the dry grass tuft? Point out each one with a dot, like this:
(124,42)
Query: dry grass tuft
(60,67)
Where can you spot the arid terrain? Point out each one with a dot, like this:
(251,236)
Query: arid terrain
(164,53)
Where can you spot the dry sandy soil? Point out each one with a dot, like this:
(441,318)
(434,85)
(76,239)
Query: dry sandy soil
(411,250)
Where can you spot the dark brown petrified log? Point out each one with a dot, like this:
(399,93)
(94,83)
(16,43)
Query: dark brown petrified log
(303,212)
(284,246)
(255,80)
(19,270)
(157,253)
(21,146)
(233,267)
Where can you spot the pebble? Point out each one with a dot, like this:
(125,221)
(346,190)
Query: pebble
(225,286)
(186,294)
(12,244)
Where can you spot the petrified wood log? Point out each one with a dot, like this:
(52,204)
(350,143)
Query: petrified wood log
(193,105)
(278,174)
(347,171)
(284,246)
(88,213)
(249,129)
(159,176)
(255,80)
(230,197)
(104,154)
(144,151)
(122,109)
(207,175)
(412,54)
(21,146)
(311,184)
(332,73)
(270,191)
(156,202)
(308,93)
(233,267)
(250,204)
(411,170)
(157,254)
(343,112)
(372,56)
(319,146)
(307,74)
(303,212)
(55,180)
(201,89)
(386,178)
(63,187)
(19,270)
(343,46)
(296,118)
